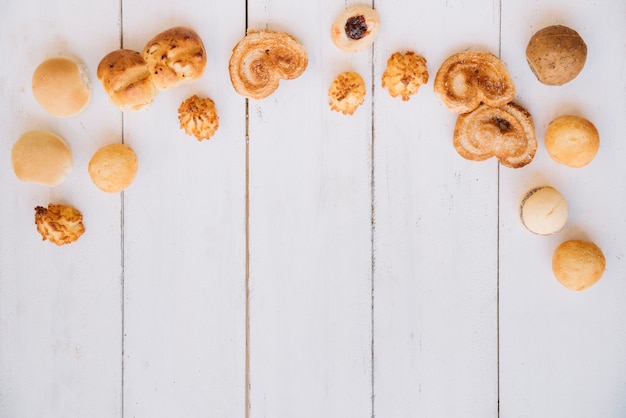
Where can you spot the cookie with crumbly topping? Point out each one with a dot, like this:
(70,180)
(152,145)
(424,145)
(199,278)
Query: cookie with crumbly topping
(346,92)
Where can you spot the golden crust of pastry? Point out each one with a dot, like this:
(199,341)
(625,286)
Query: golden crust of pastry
(175,57)
(346,92)
(405,73)
(59,224)
(261,59)
(198,117)
(506,132)
(469,78)
(355,28)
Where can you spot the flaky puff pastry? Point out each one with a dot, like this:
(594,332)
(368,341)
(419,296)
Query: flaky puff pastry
(506,132)
(346,92)
(469,78)
(261,59)
(198,117)
(405,73)
(59,224)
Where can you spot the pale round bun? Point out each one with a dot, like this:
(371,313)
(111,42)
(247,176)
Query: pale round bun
(578,264)
(126,80)
(41,157)
(175,57)
(113,167)
(556,54)
(355,28)
(572,140)
(61,86)
(543,210)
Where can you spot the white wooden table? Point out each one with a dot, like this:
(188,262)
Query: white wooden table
(303,263)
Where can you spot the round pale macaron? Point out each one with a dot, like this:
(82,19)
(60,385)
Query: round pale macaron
(113,167)
(41,157)
(572,140)
(61,86)
(543,210)
(578,264)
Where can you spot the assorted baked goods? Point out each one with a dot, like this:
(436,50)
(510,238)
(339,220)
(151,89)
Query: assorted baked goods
(61,86)
(572,140)
(578,264)
(41,157)
(126,79)
(262,58)
(59,224)
(346,92)
(113,167)
(405,74)
(556,54)
(506,132)
(198,117)
(543,210)
(355,28)
(468,78)
(175,57)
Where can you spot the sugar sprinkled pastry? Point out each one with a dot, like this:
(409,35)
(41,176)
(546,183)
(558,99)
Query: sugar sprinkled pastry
(355,28)
(572,140)
(468,78)
(346,92)
(59,224)
(261,59)
(198,117)
(543,210)
(506,132)
(405,74)
(61,86)
(578,264)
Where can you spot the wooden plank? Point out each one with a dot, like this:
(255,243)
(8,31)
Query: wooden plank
(184,352)
(60,307)
(310,230)
(435,253)
(563,353)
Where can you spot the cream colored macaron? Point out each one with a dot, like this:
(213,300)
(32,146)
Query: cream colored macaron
(543,210)
(113,167)
(61,86)
(578,264)
(41,157)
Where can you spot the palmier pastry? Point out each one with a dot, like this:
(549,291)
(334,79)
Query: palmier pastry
(506,132)
(469,78)
(198,117)
(261,59)
(355,28)
(347,92)
(175,57)
(59,224)
(405,73)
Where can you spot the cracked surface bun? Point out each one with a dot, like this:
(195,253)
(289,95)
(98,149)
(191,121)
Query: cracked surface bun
(578,264)
(59,224)
(113,167)
(61,86)
(572,140)
(405,74)
(198,117)
(126,79)
(175,57)
(346,92)
(41,157)
(355,28)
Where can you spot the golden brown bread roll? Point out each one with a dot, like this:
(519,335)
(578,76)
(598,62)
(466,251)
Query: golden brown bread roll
(126,80)
(572,140)
(41,157)
(469,78)
(113,167)
(347,92)
(405,74)
(59,224)
(261,59)
(578,264)
(556,54)
(175,57)
(355,28)
(61,86)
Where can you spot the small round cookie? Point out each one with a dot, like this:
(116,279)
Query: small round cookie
(355,28)
(572,140)
(405,74)
(113,167)
(543,210)
(346,92)
(61,86)
(59,224)
(41,157)
(578,264)
(198,117)
(556,54)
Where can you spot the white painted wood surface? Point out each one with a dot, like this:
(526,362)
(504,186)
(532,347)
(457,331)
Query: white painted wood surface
(303,263)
